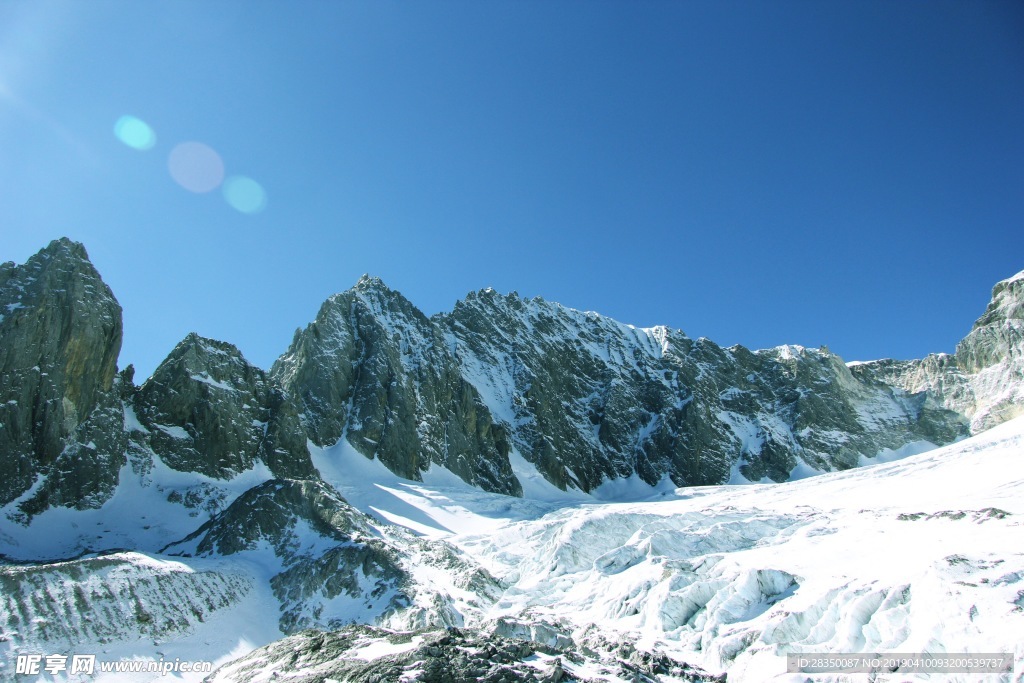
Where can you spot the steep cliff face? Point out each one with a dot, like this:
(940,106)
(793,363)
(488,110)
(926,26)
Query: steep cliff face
(373,368)
(69,422)
(984,379)
(588,399)
(210,411)
(60,423)
(583,398)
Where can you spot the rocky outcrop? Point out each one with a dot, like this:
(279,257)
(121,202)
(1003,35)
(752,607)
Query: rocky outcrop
(61,428)
(338,566)
(63,431)
(210,411)
(373,368)
(324,547)
(268,512)
(984,379)
(588,399)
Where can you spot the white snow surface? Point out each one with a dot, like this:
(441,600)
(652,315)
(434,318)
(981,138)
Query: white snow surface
(921,554)
(1015,278)
(194,610)
(138,516)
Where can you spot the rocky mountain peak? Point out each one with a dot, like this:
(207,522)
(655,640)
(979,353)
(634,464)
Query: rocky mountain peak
(208,410)
(583,398)
(983,379)
(370,297)
(67,247)
(1007,302)
(374,293)
(368,282)
(374,369)
(61,329)
(210,359)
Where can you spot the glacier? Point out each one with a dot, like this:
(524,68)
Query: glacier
(924,554)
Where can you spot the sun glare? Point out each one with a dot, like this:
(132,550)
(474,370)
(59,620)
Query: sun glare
(135,133)
(244,194)
(196,167)
(193,165)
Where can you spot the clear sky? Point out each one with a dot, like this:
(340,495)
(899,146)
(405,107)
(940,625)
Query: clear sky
(840,173)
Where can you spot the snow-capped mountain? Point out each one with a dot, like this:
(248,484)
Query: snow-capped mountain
(464,483)
(922,555)
(581,398)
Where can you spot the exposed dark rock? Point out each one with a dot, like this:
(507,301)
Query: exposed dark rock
(327,549)
(60,334)
(373,368)
(208,410)
(582,397)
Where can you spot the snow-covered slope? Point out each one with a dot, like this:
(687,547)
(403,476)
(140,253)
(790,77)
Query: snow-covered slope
(925,554)
(133,607)
(369,655)
(921,555)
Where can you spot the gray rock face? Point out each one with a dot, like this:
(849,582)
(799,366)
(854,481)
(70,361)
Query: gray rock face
(984,379)
(60,334)
(325,548)
(373,368)
(589,399)
(62,403)
(208,410)
(582,397)
(269,511)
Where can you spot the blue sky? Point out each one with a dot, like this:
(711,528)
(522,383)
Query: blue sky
(840,173)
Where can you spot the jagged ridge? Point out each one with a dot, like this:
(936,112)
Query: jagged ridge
(583,398)
(984,379)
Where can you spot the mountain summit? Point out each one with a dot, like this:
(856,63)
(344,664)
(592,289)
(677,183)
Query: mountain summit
(60,335)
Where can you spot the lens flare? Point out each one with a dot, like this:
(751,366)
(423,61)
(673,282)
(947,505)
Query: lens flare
(135,133)
(196,167)
(244,194)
